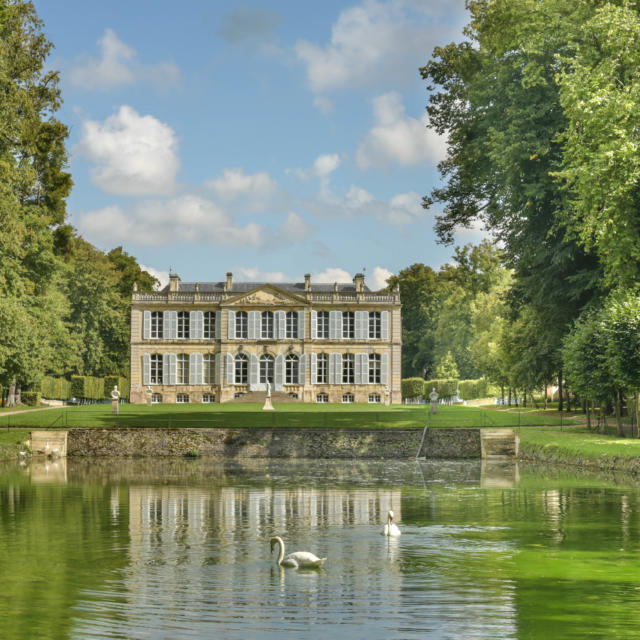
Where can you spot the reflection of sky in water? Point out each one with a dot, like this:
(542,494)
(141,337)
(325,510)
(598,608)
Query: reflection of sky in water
(199,567)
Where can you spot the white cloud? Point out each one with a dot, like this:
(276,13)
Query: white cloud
(396,138)
(235,183)
(379,277)
(253,274)
(161,276)
(187,219)
(295,227)
(118,65)
(378,42)
(323,104)
(134,154)
(323,166)
(331,275)
(402,209)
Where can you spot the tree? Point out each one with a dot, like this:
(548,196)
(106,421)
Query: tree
(33,189)
(447,367)
(130,272)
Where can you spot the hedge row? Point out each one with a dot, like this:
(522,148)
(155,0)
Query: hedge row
(55,388)
(111,381)
(30,398)
(416,387)
(480,388)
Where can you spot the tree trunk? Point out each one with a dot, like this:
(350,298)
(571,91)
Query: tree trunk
(617,408)
(502,394)
(545,396)
(588,412)
(11,396)
(560,391)
(515,395)
(637,414)
(509,396)
(533,400)
(524,397)
(603,417)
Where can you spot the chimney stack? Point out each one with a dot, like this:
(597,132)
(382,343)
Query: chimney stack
(229,281)
(174,280)
(359,282)
(307,282)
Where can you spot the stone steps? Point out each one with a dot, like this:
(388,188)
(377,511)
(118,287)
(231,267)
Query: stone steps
(499,443)
(261,396)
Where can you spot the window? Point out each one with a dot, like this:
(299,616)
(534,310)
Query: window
(348,368)
(347,398)
(156,369)
(182,372)
(156,398)
(322,398)
(348,324)
(267,324)
(266,369)
(242,325)
(241,369)
(209,368)
(292,324)
(291,369)
(183,325)
(208,397)
(374,368)
(375,325)
(322,376)
(374,398)
(156,325)
(209,326)
(323,324)
(182,398)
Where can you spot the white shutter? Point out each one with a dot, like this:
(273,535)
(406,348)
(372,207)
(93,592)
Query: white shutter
(314,324)
(254,369)
(170,325)
(279,372)
(384,369)
(314,367)
(146,326)
(231,325)
(280,329)
(357,377)
(196,364)
(384,320)
(364,368)
(362,318)
(301,324)
(196,324)
(218,333)
(302,375)
(253,330)
(146,369)
(335,325)
(169,368)
(335,368)
(230,368)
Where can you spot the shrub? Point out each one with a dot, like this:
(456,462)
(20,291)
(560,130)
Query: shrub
(30,398)
(446,388)
(111,381)
(412,387)
(87,387)
(55,388)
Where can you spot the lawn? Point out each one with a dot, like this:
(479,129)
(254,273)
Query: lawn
(295,415)
(11,443)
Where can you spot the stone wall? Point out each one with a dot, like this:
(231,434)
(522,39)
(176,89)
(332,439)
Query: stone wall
(276,443)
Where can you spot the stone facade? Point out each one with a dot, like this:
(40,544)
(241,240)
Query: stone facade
(213,342)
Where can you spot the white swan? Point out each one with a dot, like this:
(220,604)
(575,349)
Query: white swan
(301,559)
(391,528)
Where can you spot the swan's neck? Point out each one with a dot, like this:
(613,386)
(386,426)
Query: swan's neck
(280,542)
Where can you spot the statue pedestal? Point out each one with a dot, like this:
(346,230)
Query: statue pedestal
(267,404)
(115,407)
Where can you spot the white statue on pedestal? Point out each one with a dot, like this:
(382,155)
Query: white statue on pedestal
(115,399)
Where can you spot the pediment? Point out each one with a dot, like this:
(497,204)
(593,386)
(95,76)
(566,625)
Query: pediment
(266,296)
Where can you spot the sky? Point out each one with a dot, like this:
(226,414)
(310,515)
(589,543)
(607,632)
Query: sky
(269,139)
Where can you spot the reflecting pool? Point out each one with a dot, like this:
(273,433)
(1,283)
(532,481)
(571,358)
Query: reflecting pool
(180,549)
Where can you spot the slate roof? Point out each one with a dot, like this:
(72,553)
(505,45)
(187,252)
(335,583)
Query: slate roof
(243,287)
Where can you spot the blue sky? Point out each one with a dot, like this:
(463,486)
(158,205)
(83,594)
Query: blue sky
(270,139)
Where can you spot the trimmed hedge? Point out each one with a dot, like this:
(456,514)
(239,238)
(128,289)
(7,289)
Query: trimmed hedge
(446,388)
(480,388)
(111,381)
(412,387)
(87,387)
(55,388)
(30,398)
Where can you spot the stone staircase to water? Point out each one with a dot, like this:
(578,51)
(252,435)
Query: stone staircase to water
(499,443)
(261,396)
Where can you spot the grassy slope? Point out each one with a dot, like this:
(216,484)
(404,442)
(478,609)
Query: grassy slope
(296,415)
(11,442)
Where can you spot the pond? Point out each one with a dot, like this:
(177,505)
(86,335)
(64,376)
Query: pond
(180,549)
